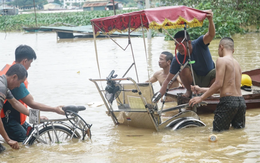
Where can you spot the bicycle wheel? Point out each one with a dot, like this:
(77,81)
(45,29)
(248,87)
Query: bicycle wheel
(78,122)
(48,135)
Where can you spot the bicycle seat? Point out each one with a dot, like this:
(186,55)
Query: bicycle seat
(72,108)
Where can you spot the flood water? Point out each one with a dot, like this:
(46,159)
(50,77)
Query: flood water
(60,76)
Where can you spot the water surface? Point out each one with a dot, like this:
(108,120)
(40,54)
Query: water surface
(60,76)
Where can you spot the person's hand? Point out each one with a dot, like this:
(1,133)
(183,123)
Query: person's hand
(209,14)
(181,85)
(59,110)
(13,144)
(43,118)
(195,100)
(195,89)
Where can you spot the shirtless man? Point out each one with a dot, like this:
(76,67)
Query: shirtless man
(231,108)
(165,60)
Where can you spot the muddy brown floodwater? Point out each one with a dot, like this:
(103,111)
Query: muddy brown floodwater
(60,76)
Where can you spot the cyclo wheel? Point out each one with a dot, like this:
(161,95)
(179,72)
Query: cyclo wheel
(49,136)
(190,124)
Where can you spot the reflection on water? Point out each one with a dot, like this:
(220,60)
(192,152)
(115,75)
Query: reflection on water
(60,76)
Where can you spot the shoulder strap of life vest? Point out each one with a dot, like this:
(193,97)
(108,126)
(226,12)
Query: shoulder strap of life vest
(5,69)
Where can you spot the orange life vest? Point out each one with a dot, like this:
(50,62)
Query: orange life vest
(22,116)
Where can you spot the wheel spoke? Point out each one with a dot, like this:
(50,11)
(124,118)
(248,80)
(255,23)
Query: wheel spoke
(54,134)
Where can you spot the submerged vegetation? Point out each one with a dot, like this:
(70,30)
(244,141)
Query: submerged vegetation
(17,22)
(230,17)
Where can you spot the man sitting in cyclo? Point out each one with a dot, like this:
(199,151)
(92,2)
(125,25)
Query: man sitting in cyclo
(165,60)
(203,68)
(14,121)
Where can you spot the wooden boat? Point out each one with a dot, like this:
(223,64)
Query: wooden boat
(252,98)
(35,29)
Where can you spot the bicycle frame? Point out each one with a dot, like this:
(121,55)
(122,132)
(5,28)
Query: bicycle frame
(77,123)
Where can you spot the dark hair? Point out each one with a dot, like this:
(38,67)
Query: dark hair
(169,55)
(227,42)
(24,52)
(180,34)
(17,69)
(227,38)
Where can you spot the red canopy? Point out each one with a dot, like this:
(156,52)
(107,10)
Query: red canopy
(162,17)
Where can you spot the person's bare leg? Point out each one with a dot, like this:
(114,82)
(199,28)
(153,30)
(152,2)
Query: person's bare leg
(186,79)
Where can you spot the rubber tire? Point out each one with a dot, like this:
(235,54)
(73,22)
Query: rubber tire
(193,123)
(49,128)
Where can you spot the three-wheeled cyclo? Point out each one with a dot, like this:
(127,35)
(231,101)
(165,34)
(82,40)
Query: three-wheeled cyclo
(132,103)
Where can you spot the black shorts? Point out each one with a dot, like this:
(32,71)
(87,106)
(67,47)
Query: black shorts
(230,110)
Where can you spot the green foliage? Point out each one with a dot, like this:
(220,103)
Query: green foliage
(230,16)
(28,3)
(16,22)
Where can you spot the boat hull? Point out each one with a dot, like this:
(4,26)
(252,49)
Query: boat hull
(252,98)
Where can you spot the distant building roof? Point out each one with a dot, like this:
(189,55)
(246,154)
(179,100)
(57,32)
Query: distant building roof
(94,4)
(55,4)
(94,1)
(111,3)
(6,7)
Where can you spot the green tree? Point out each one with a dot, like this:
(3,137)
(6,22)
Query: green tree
(29,3)
(58,2)
(230,16)
(76,4)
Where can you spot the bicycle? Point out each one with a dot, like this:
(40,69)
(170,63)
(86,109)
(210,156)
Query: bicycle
(57,130)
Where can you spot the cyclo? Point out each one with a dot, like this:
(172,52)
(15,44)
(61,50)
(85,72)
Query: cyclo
(136,102)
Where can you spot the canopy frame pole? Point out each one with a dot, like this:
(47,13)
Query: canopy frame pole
(171,36)
(112,38)
(188,50)
(95,44)
(129,42)
(145,49)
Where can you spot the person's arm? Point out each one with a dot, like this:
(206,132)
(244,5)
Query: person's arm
(220,72)
(179,80)
(13,144)
(29,100)
(18,106)
(197,89)
(153,79)
(208,37)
